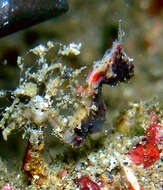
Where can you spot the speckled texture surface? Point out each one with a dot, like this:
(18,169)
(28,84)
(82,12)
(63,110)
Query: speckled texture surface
(95,24)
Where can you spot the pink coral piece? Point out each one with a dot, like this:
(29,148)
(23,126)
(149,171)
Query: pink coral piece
(7,187)
(63,173)
(86,184)
(152,133)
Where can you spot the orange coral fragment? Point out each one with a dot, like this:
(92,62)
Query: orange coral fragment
(34,164)
(132,188)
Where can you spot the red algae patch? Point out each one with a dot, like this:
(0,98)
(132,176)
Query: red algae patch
(147,151)
(146,154)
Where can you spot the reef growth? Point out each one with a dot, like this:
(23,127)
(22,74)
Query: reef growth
(50,94)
